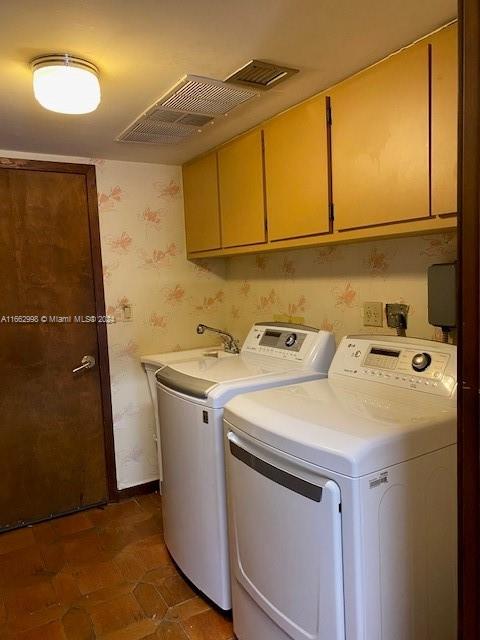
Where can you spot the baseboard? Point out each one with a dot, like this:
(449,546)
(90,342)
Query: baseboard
(138,490)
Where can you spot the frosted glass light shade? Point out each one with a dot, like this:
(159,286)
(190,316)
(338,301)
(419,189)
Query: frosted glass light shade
(65,84)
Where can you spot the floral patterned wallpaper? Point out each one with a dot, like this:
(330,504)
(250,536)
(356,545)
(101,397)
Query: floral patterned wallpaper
(144,263)
(327,286)
(143,248)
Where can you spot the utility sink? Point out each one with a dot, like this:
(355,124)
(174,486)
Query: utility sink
(216,353)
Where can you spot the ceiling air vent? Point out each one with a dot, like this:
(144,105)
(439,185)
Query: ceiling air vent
(190,105)
(204,95)
(150,131)
(261,75)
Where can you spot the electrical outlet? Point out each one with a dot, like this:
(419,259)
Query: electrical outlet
(373,314)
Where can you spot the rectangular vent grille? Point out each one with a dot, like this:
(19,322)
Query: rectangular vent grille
(195,120)
(206,96)
(163,115)
(261,75)
(190,105)
(192,119)
(151,131)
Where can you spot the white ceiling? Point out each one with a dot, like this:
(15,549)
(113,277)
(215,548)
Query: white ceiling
(142,47)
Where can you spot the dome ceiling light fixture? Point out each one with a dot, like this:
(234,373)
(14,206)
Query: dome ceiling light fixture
(66,84)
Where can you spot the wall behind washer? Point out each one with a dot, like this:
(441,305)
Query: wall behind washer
(144,264)
(327,286)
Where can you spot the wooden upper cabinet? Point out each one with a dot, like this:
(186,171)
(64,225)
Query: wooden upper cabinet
(240,181)
(380,142)
(296,171)
(444,119)
(200,191)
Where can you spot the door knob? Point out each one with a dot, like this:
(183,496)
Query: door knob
(88,362)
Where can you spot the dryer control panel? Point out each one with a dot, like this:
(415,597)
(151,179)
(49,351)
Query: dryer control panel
(410,363)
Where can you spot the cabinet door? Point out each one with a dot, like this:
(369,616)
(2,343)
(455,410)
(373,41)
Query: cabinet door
(242,202)
(296,172)
(200,190)
(380,142)
(444,119)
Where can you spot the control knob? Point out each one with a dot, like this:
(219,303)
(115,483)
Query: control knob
(421,361)
(290,340)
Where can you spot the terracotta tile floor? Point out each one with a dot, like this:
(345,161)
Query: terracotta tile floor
(103,573)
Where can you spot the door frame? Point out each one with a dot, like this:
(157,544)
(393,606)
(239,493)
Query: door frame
(88,170)
(468,325)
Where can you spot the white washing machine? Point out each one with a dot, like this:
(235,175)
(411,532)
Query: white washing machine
(342,498)
(152,363)
(191,397)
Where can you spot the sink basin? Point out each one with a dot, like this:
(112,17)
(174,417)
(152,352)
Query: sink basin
(215,353)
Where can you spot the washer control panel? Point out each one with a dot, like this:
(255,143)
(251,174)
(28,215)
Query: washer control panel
(287,342)
(290,340)
(422,365)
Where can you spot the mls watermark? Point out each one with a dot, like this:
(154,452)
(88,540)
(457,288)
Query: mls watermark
(56,319)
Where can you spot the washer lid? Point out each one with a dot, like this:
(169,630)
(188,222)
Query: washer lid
(215,381)
(156,360)
(351,429)
(188,385)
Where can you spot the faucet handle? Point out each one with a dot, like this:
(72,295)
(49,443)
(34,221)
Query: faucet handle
(230,344)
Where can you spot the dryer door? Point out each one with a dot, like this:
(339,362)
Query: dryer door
(286,539)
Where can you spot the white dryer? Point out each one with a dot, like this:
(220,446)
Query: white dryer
(342,498)
(191,397)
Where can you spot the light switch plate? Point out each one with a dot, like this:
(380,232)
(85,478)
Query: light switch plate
(373,314)
(127,313)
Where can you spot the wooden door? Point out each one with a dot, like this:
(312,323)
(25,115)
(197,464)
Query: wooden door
(296,172)
(52,451)
(380,142)
(444,119)
(242,201)
(202,218)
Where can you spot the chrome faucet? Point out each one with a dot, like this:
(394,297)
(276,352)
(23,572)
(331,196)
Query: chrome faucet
(230,344)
